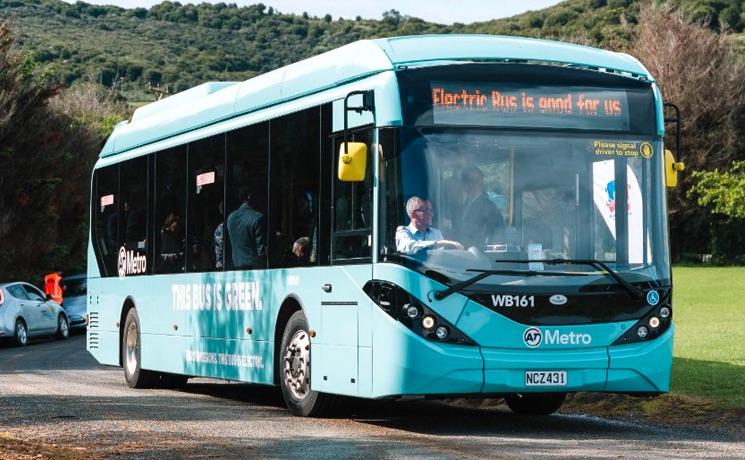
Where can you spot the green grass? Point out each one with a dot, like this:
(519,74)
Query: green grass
(709,314)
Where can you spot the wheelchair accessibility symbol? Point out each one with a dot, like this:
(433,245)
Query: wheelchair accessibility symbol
(653,298)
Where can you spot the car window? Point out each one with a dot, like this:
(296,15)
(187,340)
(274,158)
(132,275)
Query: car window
(75,287)
(33,293)
(18,292)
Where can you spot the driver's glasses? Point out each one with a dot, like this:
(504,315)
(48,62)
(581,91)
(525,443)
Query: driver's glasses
(424,211)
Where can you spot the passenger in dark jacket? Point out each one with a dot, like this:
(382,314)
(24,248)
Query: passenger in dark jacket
(481,219)
(246,230)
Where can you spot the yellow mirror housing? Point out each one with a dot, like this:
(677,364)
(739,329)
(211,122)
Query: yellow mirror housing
(352,161)
(672,168)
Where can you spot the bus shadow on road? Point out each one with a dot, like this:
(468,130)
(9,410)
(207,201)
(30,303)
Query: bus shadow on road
(243,392)
(444,418)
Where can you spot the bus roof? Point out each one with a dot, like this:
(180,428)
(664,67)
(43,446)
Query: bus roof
(215,101)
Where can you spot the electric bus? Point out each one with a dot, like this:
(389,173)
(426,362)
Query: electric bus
(409,217)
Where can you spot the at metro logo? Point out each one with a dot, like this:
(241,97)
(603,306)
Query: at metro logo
(570,338)
(533,337)
(130,263)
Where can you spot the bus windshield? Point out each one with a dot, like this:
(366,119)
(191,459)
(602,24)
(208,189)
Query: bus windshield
(507,200)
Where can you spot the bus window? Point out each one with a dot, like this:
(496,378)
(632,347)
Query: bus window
(170,207)
(106,219)
(133,234)
(244,231)
(353,211)
(294,185)
(206,204)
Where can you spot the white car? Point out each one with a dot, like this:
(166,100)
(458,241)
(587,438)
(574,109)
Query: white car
(27,312)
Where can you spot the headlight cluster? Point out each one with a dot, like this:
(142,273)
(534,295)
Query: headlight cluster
(651,326)
(412,313)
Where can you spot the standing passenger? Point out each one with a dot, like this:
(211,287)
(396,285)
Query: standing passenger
(481,218)
(246,231)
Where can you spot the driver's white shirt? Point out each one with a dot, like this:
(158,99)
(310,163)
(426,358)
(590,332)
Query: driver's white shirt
(409,239)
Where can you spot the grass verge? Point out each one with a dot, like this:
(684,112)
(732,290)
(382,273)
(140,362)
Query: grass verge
(709,315)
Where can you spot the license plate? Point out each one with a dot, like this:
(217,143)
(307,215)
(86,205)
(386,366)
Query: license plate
(545,378)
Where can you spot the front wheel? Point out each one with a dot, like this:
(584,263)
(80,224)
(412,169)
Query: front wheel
(294,369)
(135,376)
(536,403)
(63,328)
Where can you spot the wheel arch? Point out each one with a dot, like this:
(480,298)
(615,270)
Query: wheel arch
(128,304)
(23,320)
(290,305)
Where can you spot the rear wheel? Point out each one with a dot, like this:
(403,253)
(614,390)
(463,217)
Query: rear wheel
(20,335)
(294,369)
(135,376)
(535,403)
(63,328)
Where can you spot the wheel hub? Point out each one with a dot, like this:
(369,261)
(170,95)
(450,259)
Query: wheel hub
(131,348)
(297,365)
(21,331)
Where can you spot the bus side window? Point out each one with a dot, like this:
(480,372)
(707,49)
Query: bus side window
(170,210)
(133,218)
(245,235)
(106,219)
(353,211)
(206,207)
(294,189)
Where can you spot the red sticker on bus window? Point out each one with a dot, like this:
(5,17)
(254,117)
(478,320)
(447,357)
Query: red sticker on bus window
(107,200)
(206,178)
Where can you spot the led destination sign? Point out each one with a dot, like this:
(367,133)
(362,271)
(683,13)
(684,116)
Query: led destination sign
(511,105)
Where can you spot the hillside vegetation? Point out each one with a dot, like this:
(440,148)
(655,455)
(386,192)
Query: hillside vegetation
(66,71)
(181,45)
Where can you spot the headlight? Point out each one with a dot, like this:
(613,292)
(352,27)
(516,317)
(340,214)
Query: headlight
(411,311)
(652,325)
(407,309)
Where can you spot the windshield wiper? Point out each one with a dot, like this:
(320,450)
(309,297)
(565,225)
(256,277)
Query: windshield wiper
(598,265)
(457,287)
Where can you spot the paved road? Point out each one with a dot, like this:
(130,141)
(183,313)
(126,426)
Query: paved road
(55,392)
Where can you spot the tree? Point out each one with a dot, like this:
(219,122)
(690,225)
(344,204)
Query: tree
(722,191)
(49,140)
(697,70)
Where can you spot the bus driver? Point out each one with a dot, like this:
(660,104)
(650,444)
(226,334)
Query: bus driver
(420,234)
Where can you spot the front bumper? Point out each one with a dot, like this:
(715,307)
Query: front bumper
(77,322)
(440,369)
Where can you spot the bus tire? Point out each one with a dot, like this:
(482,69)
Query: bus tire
(294,370)
(135,376)
(535,403)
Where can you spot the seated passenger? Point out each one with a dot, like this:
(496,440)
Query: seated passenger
(420,234)
(301,251)
(171,245)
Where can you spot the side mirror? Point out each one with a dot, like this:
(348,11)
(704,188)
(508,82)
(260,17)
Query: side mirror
(352,161)
(48,297)
(672,168)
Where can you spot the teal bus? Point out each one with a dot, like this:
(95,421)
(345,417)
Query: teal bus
(408,217)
